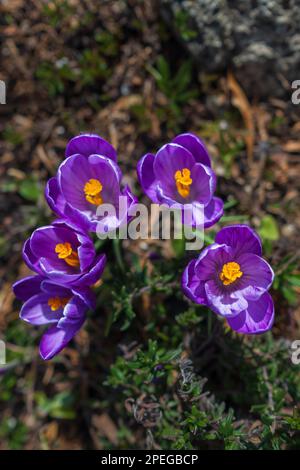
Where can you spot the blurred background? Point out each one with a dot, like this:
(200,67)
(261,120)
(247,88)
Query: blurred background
(149,370)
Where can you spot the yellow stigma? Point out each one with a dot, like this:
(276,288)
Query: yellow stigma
(64,251)
(57,302)
(230,273)
(183,182)
(92,190)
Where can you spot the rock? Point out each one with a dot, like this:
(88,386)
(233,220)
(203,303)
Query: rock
(259,39)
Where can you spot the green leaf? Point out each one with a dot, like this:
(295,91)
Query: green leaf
(269,228)
(294,279)
(178,246)
(58,406)
(30,189)
(289,294)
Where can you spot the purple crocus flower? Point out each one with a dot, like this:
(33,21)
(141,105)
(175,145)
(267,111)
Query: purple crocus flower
(232,279)
(47,303)
(180,173)
(63,254)
(88,178)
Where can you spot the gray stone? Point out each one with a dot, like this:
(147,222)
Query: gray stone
(258,39)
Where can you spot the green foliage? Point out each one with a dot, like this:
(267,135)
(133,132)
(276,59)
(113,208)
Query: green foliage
(269,232)
(92,67)
(228,141)
(89,67)
(122,308)
(182,26)
(139,112)
(177,88)
(229,146)
(189,317)
(253,376)
(15,431)
(59,406)
(179,377)
(12,136)
(30,189)
(145,368)
(57,11)
(294,421)
(108,44)
(287,279)
(7,387)
(54,77)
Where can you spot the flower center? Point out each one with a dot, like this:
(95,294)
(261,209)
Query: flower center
(92,190)
(183,182)
(230,273)
(57,302)
(64,251)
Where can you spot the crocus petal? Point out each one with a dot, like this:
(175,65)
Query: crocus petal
(37,311)
(225,303)
(132,200)
(169,159)
(163,198)
(88,144)
(86,295)
(66,223)
(55,290)
(257,276)
(204,184)
(27,287)
(43,242)
(210,262)
(73,174)
(80,219)
(190,214)
(195,145)
(109,171)
(258,318)
(30,259)
(117,215)
(94,273)
(241,238)
(86,252)
(54,197)
(244,300)
(213,212)
(73,312)
(192,286)
(58,275)
(55,339)
(77,170)
(193,215)
(146,176)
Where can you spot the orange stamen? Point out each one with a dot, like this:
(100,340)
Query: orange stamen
(57,302)
(64,251)
(92,190)
(230,273)
(183,182)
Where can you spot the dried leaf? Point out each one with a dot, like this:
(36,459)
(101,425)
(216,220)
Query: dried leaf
(240,101)
(106,427)
(292,146)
